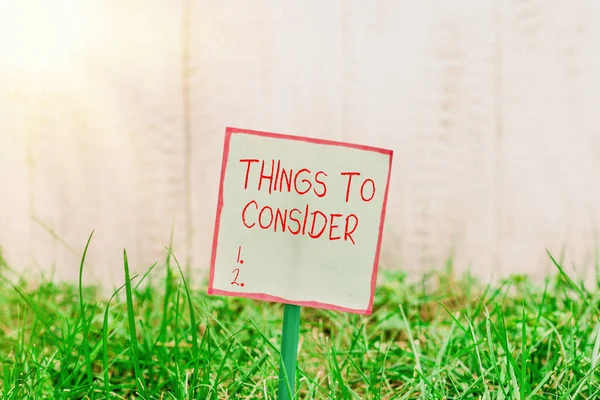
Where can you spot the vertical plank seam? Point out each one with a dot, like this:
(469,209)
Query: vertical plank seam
(187,132)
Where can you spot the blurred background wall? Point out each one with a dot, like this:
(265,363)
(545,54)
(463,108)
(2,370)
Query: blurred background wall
(112,115)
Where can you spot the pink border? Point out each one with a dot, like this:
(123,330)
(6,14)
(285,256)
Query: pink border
(266,297)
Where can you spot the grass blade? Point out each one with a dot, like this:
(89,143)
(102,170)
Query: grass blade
(194,326)
(105,341)
(524,354)
(84,325)
(133,343)
(415,350)
(568,279)
(482,371)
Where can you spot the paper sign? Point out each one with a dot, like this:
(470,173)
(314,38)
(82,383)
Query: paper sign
(299,220)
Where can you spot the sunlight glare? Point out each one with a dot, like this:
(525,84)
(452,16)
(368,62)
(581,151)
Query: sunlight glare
(45,36)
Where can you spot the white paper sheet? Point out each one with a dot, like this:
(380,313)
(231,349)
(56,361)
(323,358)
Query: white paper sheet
(299,220)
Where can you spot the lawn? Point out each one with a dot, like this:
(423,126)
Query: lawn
(444,337)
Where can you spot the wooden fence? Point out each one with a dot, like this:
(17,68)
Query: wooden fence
(491,107)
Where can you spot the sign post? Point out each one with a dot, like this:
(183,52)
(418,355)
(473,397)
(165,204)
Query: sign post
(289,351)
(299,221)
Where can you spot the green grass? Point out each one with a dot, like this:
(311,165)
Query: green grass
(443,337)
